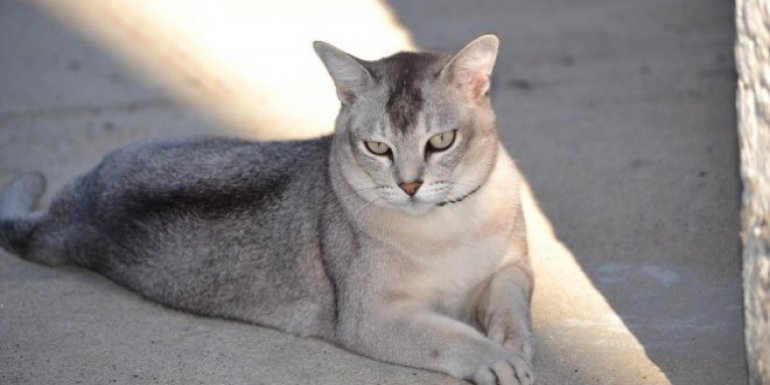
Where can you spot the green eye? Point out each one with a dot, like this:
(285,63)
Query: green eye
(441,141)
(377,148)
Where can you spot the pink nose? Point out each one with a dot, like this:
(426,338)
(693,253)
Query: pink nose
(410,188)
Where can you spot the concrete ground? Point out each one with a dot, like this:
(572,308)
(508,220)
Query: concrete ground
(621,113)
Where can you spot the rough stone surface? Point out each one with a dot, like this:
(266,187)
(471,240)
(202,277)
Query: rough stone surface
(753,65)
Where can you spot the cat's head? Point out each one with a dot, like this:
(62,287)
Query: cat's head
(416,130)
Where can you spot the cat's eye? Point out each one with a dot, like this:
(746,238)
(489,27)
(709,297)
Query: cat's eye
(377,148)
(441,141)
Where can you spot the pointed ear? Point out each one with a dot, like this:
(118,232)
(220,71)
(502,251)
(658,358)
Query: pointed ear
(470,69)
(350,77)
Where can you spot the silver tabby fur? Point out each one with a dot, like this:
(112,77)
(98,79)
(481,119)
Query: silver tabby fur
(315,237)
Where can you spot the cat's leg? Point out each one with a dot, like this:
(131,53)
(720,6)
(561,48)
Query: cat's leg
(504,310)
(417,337)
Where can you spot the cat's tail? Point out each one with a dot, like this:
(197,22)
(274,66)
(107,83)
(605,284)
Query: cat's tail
(17,219)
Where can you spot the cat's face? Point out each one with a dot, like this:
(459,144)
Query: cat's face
(416,130)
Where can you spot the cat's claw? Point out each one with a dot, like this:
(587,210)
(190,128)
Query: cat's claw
(513,371)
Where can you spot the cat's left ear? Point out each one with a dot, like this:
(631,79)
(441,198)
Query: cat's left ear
(349,75)
(470,69)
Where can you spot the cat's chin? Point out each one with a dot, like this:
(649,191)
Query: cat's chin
(416,209)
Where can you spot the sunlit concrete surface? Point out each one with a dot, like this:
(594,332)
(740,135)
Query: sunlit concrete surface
(613,128)
(247,62)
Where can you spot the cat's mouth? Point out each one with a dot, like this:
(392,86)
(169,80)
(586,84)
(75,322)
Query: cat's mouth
(416,205)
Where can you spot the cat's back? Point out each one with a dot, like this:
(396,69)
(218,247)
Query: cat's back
(210,161)
(201,174)
(201,182)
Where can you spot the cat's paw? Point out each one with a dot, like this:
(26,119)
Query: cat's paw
(515,370)
(511,331)
(522,344)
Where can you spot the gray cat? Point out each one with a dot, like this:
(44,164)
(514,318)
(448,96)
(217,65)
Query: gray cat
(399,237)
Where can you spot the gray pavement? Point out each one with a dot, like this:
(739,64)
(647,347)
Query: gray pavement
(621,113)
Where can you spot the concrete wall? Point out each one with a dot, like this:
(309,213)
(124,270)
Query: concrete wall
(753,65)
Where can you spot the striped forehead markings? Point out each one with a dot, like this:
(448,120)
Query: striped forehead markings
(404,73)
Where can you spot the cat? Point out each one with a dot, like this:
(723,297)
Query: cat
(399,237)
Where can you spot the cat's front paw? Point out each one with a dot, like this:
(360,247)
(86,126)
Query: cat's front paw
(522,344)
(515,370)
(512,331)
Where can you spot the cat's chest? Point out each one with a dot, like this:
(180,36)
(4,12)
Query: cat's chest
(454,275)
(446,273)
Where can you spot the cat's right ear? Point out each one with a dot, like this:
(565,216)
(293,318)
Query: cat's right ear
(350,77)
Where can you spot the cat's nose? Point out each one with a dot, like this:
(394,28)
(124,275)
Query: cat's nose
(411,187)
